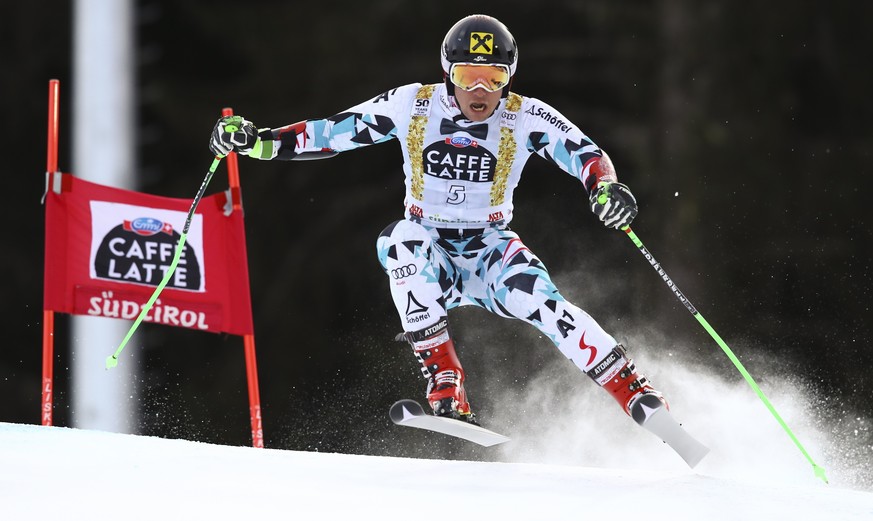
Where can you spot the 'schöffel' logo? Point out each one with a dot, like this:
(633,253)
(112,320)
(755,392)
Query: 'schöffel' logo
(415,311)
(549,117)
(404,271)
(147,226)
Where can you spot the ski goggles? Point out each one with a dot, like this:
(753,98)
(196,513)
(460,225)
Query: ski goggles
(469,76)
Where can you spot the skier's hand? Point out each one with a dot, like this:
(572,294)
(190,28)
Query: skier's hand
(233,134)
(614,204)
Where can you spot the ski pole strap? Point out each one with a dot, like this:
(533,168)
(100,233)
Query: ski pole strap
(112,360)
(819,471)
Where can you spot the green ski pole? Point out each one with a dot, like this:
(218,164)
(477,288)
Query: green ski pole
(819,471)
(112,360)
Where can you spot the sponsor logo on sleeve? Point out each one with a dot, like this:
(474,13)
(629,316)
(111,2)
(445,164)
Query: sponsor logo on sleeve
(540,112)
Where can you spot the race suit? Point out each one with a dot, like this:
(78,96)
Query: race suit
(454,247)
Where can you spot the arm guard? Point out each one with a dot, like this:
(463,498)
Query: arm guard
(280,143)
(601,169)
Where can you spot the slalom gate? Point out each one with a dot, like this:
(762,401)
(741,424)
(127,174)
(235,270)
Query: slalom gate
(107,249)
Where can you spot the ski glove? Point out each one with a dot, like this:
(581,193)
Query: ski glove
(233,134)
(614,204)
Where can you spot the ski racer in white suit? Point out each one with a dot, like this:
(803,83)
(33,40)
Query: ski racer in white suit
(465,143)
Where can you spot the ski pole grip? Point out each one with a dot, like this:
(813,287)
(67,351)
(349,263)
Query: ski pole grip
(603,197)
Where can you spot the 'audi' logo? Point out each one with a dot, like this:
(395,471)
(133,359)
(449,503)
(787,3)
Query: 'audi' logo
(404,271)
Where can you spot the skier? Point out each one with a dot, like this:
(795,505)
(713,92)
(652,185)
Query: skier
(465,142)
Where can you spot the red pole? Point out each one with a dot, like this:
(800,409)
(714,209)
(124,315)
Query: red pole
(248,340)
(52,150)
(233,172)
(48,316)
(254,394)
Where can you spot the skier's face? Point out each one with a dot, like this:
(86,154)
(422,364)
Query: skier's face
(477,104)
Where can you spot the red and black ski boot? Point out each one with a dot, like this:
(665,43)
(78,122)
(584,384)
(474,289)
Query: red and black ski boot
(435,351)
(634,393)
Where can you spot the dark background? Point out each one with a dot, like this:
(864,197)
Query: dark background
(743,128)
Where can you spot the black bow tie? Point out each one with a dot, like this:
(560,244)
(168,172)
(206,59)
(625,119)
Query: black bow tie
(479,130)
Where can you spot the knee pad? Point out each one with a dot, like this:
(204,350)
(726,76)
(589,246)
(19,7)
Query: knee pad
(402,241)
(417,283)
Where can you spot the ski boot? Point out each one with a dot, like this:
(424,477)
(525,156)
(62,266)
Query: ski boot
(435,351)
(634,393)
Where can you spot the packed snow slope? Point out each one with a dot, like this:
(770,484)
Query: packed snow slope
(62,473)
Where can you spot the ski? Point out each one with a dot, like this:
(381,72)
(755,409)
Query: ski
(648,411)
(409,413)
(652,415)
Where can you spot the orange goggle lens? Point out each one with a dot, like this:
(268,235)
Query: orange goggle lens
(469,76)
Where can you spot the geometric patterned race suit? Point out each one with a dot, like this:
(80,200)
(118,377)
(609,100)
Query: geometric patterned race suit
(454,247)
(432,270)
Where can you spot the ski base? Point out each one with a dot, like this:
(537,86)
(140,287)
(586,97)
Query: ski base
(651,414)
(409,413)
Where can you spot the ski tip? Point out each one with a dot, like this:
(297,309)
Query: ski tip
(404,409)
(695,455)
(652,415)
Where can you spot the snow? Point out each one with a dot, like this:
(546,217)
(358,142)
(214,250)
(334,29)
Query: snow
(62,473)
(572,455)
